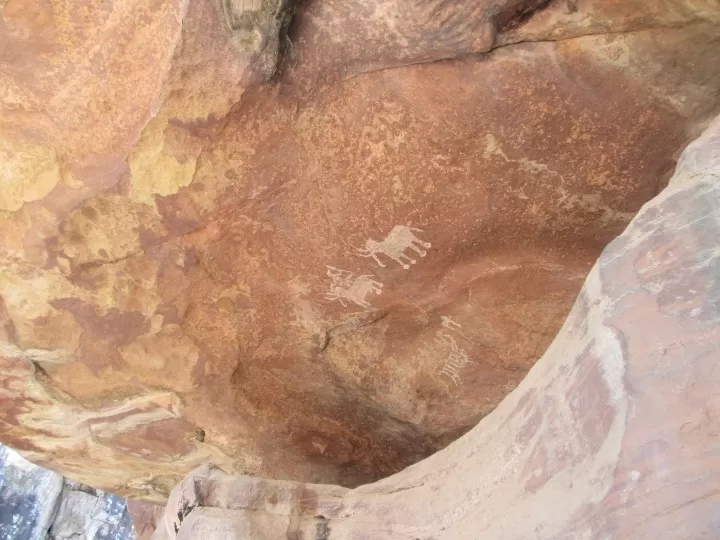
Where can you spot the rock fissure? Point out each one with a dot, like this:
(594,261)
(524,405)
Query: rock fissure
(511,44)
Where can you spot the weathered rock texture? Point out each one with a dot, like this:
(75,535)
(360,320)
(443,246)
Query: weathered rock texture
(325,278)
(613,433)
(145,518)
(38,504)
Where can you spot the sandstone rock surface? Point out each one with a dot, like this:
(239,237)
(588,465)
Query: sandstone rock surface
(145,518)
(330,276)
(613,433)
(38,504)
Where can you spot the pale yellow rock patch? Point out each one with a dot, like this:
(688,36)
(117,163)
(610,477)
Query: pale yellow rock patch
(106,228)
(38,325)
(28,172)
(153,171)
(149,357)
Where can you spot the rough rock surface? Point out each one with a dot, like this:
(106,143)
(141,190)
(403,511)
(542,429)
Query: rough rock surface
(145,518)
(38,504)
(613,433)
(330,276)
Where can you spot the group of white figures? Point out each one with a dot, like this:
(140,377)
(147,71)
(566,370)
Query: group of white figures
(346,287)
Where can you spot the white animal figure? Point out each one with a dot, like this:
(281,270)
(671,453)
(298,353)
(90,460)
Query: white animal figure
(394,245)
(456,360)
(345,286)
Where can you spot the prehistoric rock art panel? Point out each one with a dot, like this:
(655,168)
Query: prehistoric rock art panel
(394,246)
(617,422)
(346,286)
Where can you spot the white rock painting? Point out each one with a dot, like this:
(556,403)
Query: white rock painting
(455,361)
(456,358)
(395,245)
(448,323)
(346,287)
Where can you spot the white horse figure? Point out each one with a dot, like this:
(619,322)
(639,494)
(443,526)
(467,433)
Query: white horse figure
(394,245)
(345,286)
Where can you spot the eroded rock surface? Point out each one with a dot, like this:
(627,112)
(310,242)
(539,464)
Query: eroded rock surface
(38,504)
(145,518)
(613,433)
(331,276)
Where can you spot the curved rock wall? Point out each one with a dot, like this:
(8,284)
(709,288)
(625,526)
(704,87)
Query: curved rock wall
(330,276)
(612,434)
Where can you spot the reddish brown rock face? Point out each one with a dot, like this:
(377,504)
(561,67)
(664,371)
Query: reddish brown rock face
(326,277)
(145,518)
(612,434)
